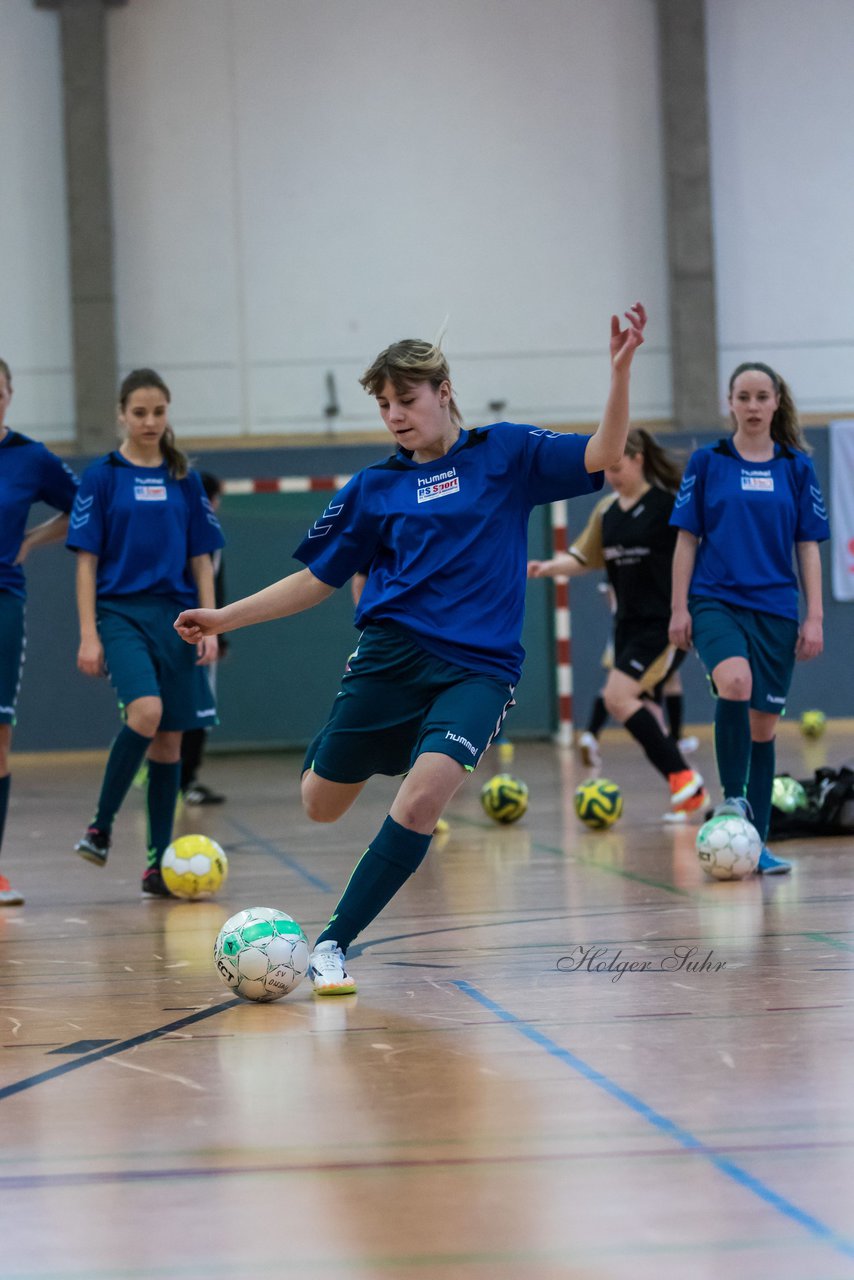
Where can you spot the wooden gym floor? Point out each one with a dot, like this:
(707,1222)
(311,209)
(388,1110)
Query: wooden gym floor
(483,1107)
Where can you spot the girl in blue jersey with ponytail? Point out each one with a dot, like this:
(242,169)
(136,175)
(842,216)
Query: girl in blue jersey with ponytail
(28,473)
(144,532)
(443,525)
(747,507)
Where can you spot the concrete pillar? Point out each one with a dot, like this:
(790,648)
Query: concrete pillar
(684,96)
(90,220)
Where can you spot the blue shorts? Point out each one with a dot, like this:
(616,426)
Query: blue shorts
(12,648)
(766,640)
(396,702)
(146,658)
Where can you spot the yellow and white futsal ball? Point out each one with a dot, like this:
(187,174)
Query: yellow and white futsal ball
(194,867)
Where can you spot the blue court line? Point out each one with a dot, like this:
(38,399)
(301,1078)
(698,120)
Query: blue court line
(20,1086)
(669,1127)
(280,856)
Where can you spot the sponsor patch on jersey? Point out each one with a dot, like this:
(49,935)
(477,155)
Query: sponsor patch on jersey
(440,487)
(149,491)
(757,481)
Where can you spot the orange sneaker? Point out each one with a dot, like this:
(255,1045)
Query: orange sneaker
(687,793)
(9,897)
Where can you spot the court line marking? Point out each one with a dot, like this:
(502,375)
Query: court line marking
(661,1122)
(20,1086)
(828,940)
(280,856)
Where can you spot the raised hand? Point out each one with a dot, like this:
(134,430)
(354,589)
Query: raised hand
(625,342)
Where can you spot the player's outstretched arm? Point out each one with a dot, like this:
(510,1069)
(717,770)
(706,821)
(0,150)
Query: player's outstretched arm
(294,594)
(605,448)
(562,566)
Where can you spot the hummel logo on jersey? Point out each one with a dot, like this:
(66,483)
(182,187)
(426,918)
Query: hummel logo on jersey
(81,512)
(757,481)
(685,492)
(438,486)
(149,491)
(319,529)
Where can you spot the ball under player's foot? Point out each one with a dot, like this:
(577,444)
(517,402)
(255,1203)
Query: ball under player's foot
(327,972)
(687,793)
(94,846)
(9,897)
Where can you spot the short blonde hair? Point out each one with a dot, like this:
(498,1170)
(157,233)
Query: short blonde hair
(406,362)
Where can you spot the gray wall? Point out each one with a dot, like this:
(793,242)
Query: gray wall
(279,679)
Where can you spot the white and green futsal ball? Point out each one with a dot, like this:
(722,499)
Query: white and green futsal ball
(261,954)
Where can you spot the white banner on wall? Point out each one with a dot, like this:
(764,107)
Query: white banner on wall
(842,508)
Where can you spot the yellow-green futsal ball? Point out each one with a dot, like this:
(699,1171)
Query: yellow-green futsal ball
(598,803)
(813,724)
(504,798)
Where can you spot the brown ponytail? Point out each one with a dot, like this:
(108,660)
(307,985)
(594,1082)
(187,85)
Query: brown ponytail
(660,467)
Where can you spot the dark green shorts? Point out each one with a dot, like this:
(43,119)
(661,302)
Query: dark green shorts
(146,658)
(765,640)
(12,647)
(396,702)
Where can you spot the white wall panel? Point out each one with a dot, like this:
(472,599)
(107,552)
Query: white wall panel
(783,181)
(300,183)
(177,253)
(35,323)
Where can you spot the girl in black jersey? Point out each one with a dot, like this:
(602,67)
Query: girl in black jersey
(629,535)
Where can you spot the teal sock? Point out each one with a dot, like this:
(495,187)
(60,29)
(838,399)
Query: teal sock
(732,745)
(164,783)
(5,784)
(387,863)
(126,755)
(760,784)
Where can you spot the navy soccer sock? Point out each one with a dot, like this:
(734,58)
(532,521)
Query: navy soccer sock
(5,784)
(760,784)
(387,863)
(126,755)
(164,781)
(732,745)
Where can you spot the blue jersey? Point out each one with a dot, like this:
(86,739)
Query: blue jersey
(144,526)
(446,541)
(748,517)
(28,473)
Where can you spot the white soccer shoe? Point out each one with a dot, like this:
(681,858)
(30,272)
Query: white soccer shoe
(327,972)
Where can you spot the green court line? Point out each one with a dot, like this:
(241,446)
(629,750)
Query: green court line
(580,860)
(827,940)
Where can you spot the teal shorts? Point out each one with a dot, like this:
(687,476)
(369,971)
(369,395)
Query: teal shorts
(397,702)
(12,648)
(146,658)
(766,640)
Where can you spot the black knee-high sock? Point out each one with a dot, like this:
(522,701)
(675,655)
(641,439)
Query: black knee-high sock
(661,751)
(598,717)
(126,755)
(192,748)
(5,784)
(387,863)
(673,703)
(760,784)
